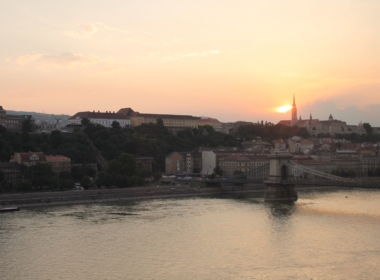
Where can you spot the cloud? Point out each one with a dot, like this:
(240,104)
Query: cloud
(66,60)
(180,56)
(88,29)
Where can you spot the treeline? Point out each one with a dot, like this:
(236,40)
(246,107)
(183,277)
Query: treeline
(270,133)
(74,146)
(124,172)
(154,140)
(41,177)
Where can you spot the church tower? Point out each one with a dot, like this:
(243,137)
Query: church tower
(294,111)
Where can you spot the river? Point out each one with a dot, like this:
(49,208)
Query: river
(326,234)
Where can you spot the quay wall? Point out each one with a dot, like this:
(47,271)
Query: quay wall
(103,195)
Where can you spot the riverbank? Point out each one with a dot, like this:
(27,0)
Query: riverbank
(109,195)
(23,200)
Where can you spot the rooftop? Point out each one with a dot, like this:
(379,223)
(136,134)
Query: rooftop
(99,115)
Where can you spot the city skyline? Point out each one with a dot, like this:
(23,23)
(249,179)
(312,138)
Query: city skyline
(227,60)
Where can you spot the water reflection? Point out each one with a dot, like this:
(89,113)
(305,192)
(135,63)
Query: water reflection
(322,236)
(281,210)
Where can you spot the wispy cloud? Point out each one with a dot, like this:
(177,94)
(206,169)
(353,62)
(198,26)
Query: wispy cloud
(179,56)
(66,60)
(89,29)
(86,31)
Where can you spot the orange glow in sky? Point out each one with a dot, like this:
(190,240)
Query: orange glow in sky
(284,109)
(230,60)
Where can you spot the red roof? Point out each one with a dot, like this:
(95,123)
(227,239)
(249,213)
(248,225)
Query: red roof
(25,157)
(57,158)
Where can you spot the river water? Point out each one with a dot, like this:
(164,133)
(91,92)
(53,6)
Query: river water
(331,234)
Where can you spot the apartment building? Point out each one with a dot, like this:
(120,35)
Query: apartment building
(248,164)
(59,163)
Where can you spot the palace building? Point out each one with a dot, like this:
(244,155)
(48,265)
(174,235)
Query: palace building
(103,118)
(14,122)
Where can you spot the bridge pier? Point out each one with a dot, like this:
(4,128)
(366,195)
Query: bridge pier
(278,187)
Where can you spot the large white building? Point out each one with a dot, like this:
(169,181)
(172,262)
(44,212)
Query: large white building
(103,118)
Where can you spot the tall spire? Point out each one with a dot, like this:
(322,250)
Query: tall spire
(294,112)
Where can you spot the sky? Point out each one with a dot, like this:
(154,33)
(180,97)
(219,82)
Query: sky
(231,60)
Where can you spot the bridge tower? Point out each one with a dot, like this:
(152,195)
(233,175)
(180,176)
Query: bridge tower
(280,186)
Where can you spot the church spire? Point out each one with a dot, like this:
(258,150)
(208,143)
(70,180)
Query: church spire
(294,112)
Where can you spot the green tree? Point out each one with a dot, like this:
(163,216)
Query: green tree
(368,128)
(77,173)
(25,185)
(2,176)
(85,121)
(3,130)
(157,176)
(218,171)
(115,125)
(86,182)
(239,174)
(27,125)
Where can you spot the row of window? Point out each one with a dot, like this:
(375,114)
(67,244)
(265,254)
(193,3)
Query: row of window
(256,164)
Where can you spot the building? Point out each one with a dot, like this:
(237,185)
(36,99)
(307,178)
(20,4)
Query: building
(170,121)
(188,162)
(11,171)
(217,125)
(368,164)
(145,163)
(29,159)
(174,164)
(15,122)
(315,126)
(258,143)
(211,157)
(279,144)
(103,118)
(59,163)
(326,166)
(248,164)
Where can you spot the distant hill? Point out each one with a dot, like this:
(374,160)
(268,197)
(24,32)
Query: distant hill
(39,117)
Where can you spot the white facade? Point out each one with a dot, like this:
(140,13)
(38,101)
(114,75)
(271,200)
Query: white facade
(208,162)
(105,119)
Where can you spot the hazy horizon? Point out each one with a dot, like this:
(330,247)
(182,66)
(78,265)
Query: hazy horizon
(223,59)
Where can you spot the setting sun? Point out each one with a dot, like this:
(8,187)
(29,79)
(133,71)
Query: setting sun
(284,109)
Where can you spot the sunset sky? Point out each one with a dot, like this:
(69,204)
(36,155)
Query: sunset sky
(231,60)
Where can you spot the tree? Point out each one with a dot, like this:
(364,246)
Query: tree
(2,176)
(160,122)
(368,128)
(157,176)
(25,185)
(85,121)
(115,125)
(3,130)
(27,125)
(239,174)
(218,171)
(86,182)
